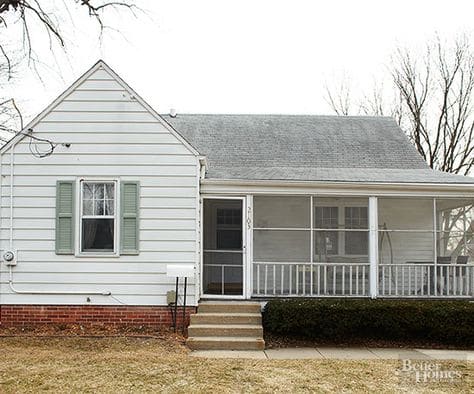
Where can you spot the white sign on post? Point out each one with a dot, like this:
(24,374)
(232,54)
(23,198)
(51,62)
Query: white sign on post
(180,270)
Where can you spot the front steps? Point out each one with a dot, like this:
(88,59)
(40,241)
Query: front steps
(226,326)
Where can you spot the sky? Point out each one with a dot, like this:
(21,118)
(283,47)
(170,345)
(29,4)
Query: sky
(242,56)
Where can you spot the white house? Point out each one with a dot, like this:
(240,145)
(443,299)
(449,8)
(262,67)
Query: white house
(261,206)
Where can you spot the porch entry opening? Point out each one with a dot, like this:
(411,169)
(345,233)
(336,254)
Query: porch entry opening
(223,257)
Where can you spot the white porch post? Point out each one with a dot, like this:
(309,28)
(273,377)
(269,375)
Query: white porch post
(373,247)
(248,272)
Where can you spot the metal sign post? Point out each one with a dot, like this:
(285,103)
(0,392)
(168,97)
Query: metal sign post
(180,271)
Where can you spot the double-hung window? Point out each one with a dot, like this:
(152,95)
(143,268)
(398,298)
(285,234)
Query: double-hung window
(350,234)
(98,222)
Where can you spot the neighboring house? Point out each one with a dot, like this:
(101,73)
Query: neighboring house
(261,205)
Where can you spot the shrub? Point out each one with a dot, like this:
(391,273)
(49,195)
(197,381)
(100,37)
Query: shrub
(336,320)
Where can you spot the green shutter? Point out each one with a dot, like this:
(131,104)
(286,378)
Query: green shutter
(65,217)
(129,203)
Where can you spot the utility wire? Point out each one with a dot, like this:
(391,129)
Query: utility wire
(34,145)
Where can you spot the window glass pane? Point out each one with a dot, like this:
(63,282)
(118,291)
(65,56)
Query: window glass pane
(109,191)
(97,235)
(326,217)
(87,208)
(109,207)
(222,224)
(98,207)
(99,191)
(229,238)
(356,217)
(87,191)
(281,212)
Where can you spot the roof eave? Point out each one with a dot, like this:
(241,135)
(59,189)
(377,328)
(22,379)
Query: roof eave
(342,184)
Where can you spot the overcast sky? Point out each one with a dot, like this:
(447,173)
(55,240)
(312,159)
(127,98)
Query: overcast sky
(244,56)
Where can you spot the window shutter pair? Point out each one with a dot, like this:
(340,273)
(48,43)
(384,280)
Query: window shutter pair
(65,215)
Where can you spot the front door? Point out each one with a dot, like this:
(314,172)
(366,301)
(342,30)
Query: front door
(223,247)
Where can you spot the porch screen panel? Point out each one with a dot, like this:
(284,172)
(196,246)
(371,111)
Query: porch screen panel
(281,242)
(406,247)
(281,246)
(310,246)
(455,246)
(340,230)
(455,228)
(340,246)
(281,212)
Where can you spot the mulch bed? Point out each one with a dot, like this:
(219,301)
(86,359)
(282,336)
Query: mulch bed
(271,341)
(275,342)
(88,331)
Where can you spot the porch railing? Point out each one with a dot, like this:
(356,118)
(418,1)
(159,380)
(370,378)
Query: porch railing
(415,280)
(286,279)
(426,280)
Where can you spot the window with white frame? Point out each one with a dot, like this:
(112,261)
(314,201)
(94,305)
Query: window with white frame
(98,221)
(340,229)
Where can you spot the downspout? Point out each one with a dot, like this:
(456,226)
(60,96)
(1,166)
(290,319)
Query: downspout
(201,167)
(10,280)
(12,158)
(1,206)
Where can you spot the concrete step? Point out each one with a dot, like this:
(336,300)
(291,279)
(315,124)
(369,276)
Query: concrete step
(225,330)
(225,343)
(229,307)
(226,318)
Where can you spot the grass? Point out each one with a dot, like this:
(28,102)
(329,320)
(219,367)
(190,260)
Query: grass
(119,365)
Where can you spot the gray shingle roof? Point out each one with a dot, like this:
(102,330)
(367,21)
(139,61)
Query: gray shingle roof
(306,148)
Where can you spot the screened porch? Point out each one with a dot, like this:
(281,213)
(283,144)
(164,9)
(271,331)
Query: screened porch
(318,246)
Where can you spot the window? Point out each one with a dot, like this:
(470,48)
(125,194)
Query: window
(98,217)
(229,228)
(326,242)
(345,240)
(356,242)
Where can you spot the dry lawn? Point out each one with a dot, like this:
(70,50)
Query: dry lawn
(118,365)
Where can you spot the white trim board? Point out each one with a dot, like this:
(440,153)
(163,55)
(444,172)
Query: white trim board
(233,187)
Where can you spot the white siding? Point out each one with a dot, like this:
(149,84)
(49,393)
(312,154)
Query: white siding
(416,244)
(416,217)
(111,135)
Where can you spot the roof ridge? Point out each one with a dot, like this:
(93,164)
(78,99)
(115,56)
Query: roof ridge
(284,115)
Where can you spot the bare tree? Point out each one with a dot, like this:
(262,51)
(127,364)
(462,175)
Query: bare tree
(339,97)
(432,101)
(34,17)
(36,12)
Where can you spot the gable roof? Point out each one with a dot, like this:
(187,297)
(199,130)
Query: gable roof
(100,65)
(307,148)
